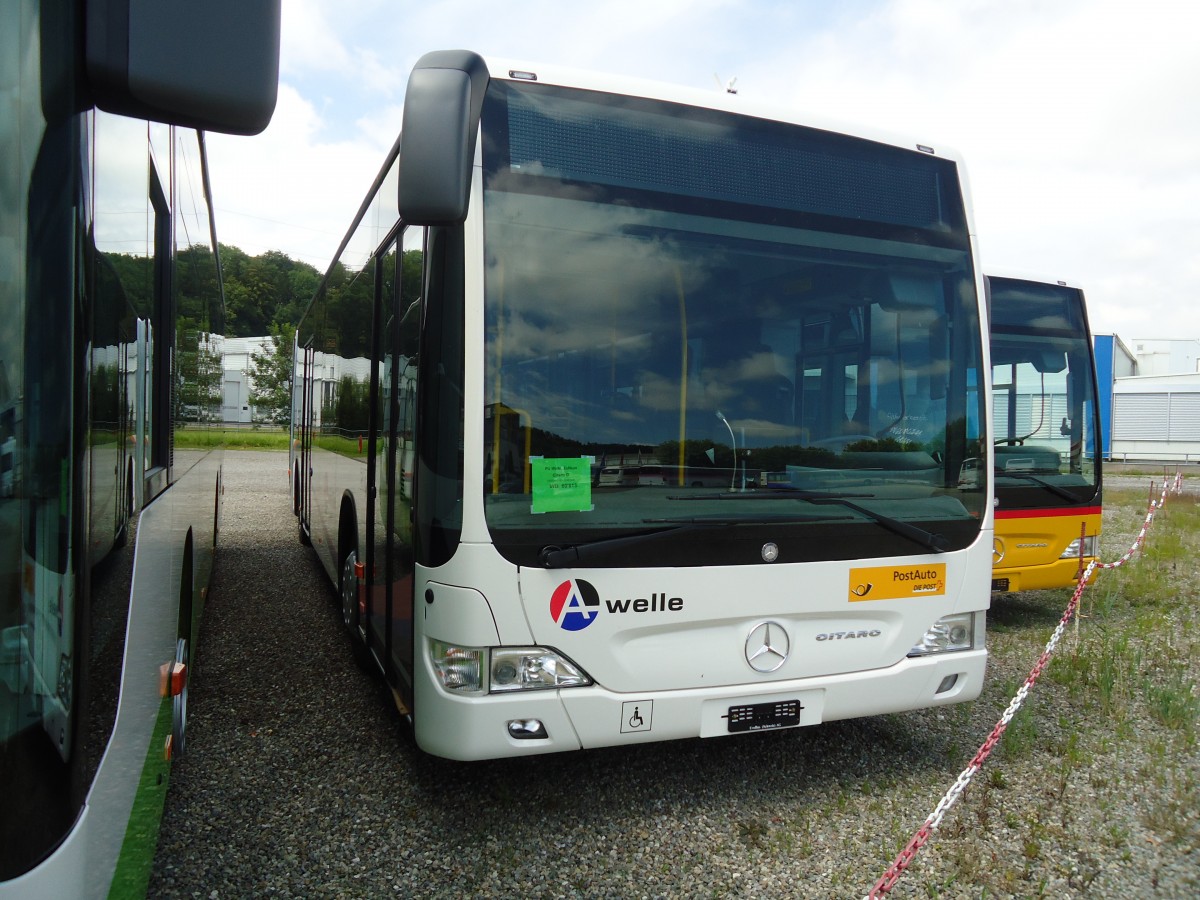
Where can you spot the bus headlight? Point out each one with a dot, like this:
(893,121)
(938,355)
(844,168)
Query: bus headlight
(949,633)
(1072,551)
(459,669)
(478,670)
(532,668)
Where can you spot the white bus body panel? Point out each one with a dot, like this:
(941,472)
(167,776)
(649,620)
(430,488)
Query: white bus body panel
(675,673)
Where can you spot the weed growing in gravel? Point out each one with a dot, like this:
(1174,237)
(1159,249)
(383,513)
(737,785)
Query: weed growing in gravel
(1108,735)
(1174,814)
(1116,669)
(752,833)
(1174,702)
(1021,736)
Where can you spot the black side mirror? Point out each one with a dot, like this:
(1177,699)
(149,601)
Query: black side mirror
(211,65)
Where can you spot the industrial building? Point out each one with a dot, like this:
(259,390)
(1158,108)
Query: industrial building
(1149,399)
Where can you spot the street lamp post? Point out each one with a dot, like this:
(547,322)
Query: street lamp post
(733,441)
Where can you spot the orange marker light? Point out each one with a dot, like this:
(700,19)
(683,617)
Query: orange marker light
(172,679)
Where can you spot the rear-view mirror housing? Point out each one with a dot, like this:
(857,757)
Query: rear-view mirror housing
(212,65)
(437,139)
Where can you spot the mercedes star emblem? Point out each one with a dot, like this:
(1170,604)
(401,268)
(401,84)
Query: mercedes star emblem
(767,647)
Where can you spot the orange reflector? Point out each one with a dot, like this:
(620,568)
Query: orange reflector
(360,570)
(169,747)
(172,679)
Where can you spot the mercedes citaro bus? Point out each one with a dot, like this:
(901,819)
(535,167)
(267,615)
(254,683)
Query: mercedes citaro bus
(1047,445)
(556,271)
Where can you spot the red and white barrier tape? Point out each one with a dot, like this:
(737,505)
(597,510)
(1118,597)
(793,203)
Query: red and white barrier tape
(902,861)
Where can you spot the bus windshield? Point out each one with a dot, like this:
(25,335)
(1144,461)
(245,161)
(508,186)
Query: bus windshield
(1044,395)
(760,346)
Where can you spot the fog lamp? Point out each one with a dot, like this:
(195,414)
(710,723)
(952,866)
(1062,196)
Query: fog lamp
(527,729)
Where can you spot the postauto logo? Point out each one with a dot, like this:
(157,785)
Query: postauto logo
(574,605)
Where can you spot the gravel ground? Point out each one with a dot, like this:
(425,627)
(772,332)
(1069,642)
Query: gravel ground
(300,780)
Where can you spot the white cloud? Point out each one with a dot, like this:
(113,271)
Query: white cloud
(1077,119)
(293,188)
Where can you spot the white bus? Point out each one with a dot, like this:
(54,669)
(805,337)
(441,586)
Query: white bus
(556,270)
(109,282)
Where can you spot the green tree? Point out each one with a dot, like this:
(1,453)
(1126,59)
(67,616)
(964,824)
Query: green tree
(198,292)
(266,292)
(271,371)
(348,411)
(135,275)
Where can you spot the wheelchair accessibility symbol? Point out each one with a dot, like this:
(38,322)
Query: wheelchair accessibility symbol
(636,715)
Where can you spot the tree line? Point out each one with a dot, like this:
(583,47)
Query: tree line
(265,294)
(268,294)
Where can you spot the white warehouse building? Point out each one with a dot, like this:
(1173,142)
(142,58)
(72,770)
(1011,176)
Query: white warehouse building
(1149,399)
(238,377)
(238,380)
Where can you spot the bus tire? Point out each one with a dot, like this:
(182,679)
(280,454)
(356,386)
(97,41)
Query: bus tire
(217,510)
(351,620)
(126,490)
(183,651)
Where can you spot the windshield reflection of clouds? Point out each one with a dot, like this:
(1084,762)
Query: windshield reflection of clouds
(680,350)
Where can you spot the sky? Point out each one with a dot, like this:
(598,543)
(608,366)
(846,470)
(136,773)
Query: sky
(1079,120)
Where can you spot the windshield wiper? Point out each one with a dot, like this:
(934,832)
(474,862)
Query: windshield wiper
(938,543)
(771,494)
(555,557)
(783,518)
(1041,482)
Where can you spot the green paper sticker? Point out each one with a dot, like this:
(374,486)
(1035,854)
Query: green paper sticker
(561,485)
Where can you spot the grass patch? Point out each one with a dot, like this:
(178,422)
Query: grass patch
(132,874)
(204,438)
(1021,736)
(346,446)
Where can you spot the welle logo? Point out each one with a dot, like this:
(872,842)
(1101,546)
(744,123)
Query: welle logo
(575,604)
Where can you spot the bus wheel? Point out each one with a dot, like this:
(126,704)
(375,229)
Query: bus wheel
(179,701)
(350,615)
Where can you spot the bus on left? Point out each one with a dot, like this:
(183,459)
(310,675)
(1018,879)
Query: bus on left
(110,294)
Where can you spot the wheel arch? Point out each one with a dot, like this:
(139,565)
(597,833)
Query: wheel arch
(348,531)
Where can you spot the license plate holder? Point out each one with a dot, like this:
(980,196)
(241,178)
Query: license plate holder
(764,716)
